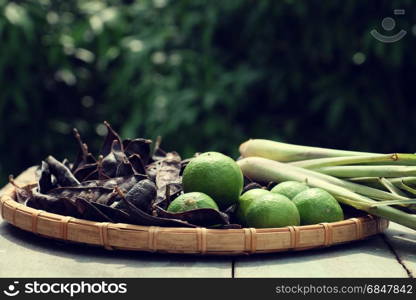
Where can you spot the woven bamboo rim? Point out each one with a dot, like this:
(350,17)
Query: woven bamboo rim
(186,240)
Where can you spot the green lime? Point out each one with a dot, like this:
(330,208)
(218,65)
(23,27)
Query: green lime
(316,206)
(216,175)
(289,188)
(272,210)
(245,200)
(191,201)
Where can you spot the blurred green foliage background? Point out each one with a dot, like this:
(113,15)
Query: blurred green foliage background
(205,75)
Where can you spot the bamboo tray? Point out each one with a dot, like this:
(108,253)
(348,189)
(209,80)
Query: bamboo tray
(185,240)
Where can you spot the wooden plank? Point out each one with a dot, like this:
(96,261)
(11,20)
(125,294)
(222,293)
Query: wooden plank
(26,255)
(403,241)
(367,258)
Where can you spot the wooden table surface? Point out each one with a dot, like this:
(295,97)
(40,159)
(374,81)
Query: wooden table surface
(23,254)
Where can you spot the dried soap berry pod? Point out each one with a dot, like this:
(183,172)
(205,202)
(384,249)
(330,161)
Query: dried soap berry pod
(45,183)
(113,159)
(137,164)
(158,153)
(97,172)
(124,183)
(199,217)
(89,212)
(117,215)
(169,170)
(91,193)
(140,217)
(151,169)
(63,174)
(184,163)
(109,139)
(53,204)
(86,172)
(103,191)
(66,163)
(119,205)
(125,169)
(167,174)
(142,194)
(140,147)
(22,193)
(251,186)
(172,190)
(116,163)
(84,157)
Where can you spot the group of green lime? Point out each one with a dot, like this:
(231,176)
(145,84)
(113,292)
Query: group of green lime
(214,180)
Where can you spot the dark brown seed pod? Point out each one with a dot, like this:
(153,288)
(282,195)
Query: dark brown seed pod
(200,217)
(142,218)
(109,139)
(142,194)
(90,212)
(84,157)
(140,147)
(250,186)
(45,183)
(63,175)
(137,164)
(91,194)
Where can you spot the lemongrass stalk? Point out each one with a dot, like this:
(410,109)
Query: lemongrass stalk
(357,188)
(368,181)
(262,169)
(391,187)
(364,179)
(368,171)
(395,158)
(284,152)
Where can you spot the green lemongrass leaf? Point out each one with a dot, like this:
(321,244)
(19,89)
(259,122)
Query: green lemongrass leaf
(354,203)
(391,187)
(409,180)
(406,180)
(368,181)
(368,171)
(407,188)
(395,158)
(364,179)
(266,170)
(394,202)
(364,190)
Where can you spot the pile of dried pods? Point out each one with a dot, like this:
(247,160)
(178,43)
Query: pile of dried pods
(130,182)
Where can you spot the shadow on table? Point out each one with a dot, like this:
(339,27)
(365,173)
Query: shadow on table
(403,241)
(371,257)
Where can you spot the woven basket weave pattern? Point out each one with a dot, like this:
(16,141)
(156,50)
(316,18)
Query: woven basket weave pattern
(188,240)
(185,240)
